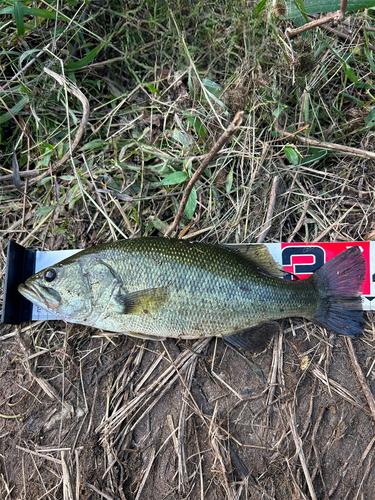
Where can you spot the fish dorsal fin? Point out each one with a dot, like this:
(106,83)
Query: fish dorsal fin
(255,339)
(261,257)
(143,302)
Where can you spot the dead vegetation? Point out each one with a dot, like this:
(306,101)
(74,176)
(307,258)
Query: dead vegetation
(90,415)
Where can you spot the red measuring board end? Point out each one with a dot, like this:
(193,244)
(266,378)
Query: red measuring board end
(302,259)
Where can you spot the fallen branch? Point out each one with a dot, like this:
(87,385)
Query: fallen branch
(327,145)
(237,120)
(332,16)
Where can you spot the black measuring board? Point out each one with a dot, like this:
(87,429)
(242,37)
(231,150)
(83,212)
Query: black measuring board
(20,266)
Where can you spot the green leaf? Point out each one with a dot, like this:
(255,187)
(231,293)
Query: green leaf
(198,126)
(320,6)
(214,98)
(15,110)
(44,211)
(175,178)
(58,230)
(370,59)
(190,84)
(278,110)
(86,60)
(191,204)
(181,138)
(301,7)
(74,200)
(259,7)
(7,11)
(229,181)
(42,182)
(96,143)
(350,73)
(26,54)
(47,153)
(213,90)
(159,225)
(18,17)
(292,155)
(370,120)
(151,88)
(213,87)
(316,154)
(19,10)
(32,11)
(354,99)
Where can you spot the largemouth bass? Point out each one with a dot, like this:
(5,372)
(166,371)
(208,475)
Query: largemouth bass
(156,287)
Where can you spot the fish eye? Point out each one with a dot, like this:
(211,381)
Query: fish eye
(50,275)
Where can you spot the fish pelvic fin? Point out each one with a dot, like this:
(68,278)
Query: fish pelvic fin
(339,283)
(143,302)
(255,339)
(143,336)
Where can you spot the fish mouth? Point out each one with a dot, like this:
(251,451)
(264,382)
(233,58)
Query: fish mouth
(43,296)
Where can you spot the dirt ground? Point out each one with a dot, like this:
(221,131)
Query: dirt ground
(90,417)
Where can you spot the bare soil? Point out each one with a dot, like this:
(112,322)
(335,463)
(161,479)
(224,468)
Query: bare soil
(89,417)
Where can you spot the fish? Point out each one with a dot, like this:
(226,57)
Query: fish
(154,288)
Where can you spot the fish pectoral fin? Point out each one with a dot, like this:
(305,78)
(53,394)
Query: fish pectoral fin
(255,339)
(143,302)
(143,336)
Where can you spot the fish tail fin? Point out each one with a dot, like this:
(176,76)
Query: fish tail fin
(339,283)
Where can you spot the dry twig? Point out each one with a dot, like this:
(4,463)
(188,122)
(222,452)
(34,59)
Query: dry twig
(339,389)
(362,380)
(67,482)
(327,145)
(332,16)
(85,113)
(271,208)
(182,469)
(93,488)
(155,390)
(146,474)
(237,120)
(67,410)
(299,450)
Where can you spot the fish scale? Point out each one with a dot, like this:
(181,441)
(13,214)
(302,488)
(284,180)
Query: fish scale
(157,287)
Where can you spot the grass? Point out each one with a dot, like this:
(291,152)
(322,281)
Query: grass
(158,101)
(126,418)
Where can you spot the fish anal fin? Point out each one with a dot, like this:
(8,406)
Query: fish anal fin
(255,339)
(143,302)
